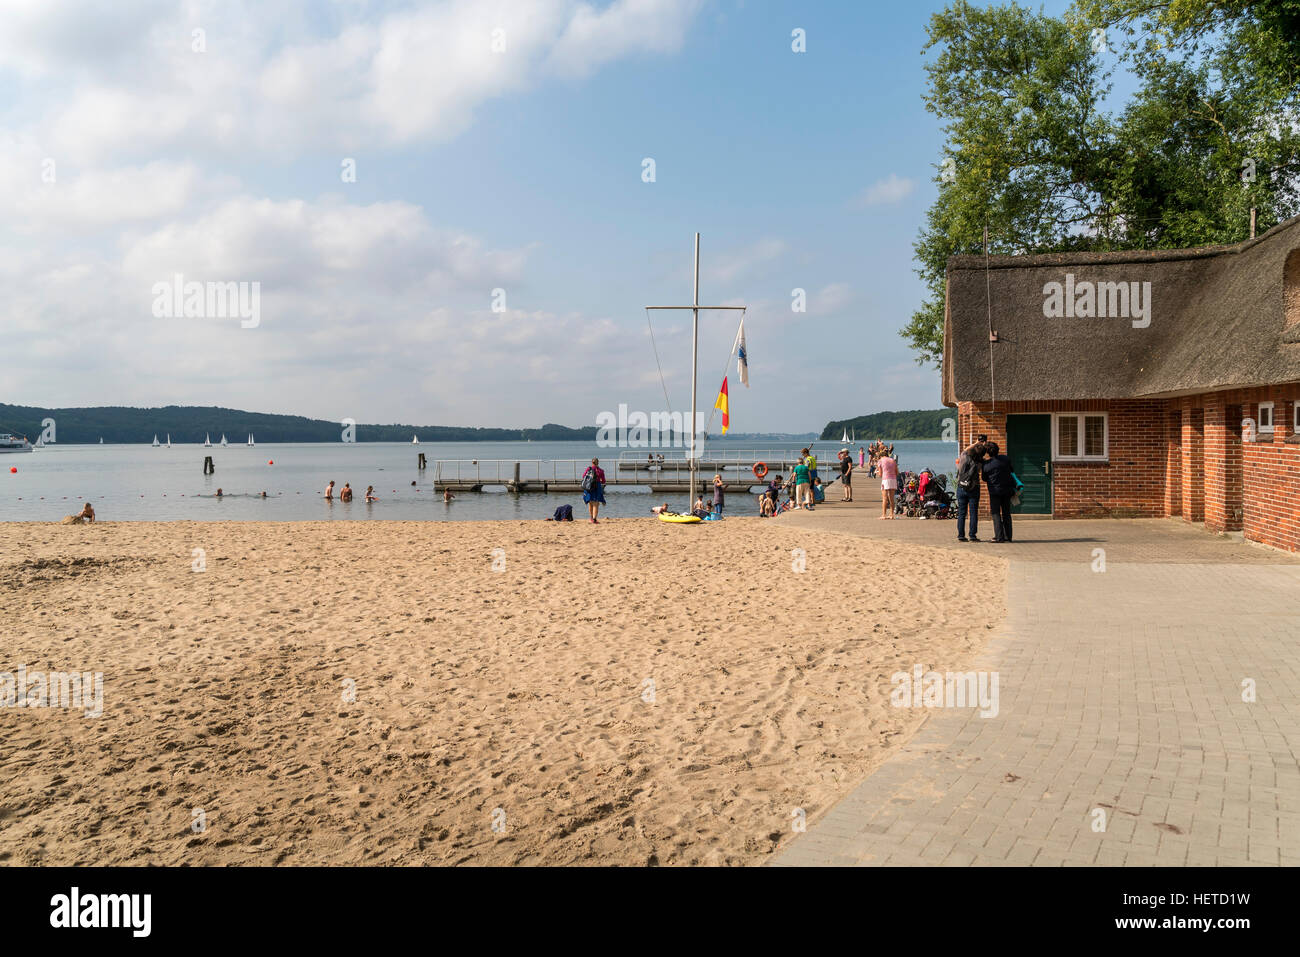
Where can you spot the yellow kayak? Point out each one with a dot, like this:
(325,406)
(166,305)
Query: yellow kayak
(678,519)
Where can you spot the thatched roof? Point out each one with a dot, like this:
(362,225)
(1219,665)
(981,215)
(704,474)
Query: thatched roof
(1217,319)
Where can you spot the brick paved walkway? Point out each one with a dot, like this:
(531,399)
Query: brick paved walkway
(1119,691)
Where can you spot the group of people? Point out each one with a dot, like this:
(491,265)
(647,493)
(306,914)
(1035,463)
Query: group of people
(804,486)
(345,493)
(875,452)
(985,462)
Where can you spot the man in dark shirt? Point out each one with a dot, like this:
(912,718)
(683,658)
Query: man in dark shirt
(1001,482)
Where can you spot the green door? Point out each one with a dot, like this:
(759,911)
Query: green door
(1029,445)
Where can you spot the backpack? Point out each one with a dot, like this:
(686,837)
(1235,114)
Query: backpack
(968,477)
(589,479)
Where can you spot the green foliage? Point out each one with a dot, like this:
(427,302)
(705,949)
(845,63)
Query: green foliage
(1213,130)
(190,424)
(916,424)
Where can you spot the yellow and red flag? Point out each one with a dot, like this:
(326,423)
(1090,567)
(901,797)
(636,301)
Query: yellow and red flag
(722,404)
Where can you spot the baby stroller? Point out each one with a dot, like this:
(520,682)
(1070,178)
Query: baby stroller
(937,502)
(907,501)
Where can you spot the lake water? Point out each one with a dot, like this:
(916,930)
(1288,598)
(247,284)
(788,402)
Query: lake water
(142,483)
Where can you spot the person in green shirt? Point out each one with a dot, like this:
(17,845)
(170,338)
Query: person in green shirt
(802,485)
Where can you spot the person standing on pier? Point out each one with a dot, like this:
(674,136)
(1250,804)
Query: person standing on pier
(719,498)
(593,488)
(888,484)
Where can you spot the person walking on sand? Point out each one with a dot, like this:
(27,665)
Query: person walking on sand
(846,475)
(718,497)
(593,488)
(329,491)
(888,485)
(970,470)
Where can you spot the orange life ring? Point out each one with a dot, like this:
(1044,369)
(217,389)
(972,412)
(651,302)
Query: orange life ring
(760,470)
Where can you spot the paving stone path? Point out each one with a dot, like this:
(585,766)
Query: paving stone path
(1120,692)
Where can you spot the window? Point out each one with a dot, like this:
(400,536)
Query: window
(1266,416)
(1295,408)
(1081,437)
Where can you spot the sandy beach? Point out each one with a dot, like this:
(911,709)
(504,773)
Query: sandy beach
(629,693)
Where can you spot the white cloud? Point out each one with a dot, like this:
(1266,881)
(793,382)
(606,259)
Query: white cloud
(133,85)
(884,192)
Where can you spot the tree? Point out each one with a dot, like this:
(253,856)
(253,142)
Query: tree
(1212,131)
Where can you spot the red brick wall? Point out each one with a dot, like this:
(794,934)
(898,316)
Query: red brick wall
(1130,485)
(1173,463)
(1193,460)
(1177,457)
(1271,473)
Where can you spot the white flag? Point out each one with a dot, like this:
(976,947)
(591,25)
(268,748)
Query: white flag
(742,357)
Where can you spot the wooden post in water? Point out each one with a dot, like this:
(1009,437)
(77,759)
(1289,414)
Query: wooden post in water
(421,464)
(208,467)
(515,487)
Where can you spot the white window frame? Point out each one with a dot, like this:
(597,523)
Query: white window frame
(1295,412)
(1057,456)
(1272,416)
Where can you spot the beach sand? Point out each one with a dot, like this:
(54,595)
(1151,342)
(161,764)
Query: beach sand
(525,689)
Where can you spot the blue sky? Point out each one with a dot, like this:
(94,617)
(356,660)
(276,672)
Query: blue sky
(477,170)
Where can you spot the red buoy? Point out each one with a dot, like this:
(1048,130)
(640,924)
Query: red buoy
(270,461)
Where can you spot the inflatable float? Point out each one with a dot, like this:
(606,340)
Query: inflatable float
(675,519)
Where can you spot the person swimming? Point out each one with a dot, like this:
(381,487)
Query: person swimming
(329,491)
(370,494)
(346,494)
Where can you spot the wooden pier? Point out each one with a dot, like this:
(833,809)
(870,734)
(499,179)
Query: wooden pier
(629,470)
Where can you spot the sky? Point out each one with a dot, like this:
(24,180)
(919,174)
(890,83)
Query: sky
(489,261)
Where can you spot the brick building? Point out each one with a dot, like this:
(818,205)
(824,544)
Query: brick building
(1153,384)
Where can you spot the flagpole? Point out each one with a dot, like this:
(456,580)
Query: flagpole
(695,354)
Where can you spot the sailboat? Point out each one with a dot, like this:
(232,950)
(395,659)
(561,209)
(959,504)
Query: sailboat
(251,443)
(101,440)
(415,440)
(207,441)
(155,440)
(224,443)
(845,440)
(169,440)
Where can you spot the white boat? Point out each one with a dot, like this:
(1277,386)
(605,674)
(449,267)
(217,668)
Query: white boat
(101,440)
(155,440)
(415,440)
(169,440)
(14,443)
(845,440)
(251,443)
(224,443)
